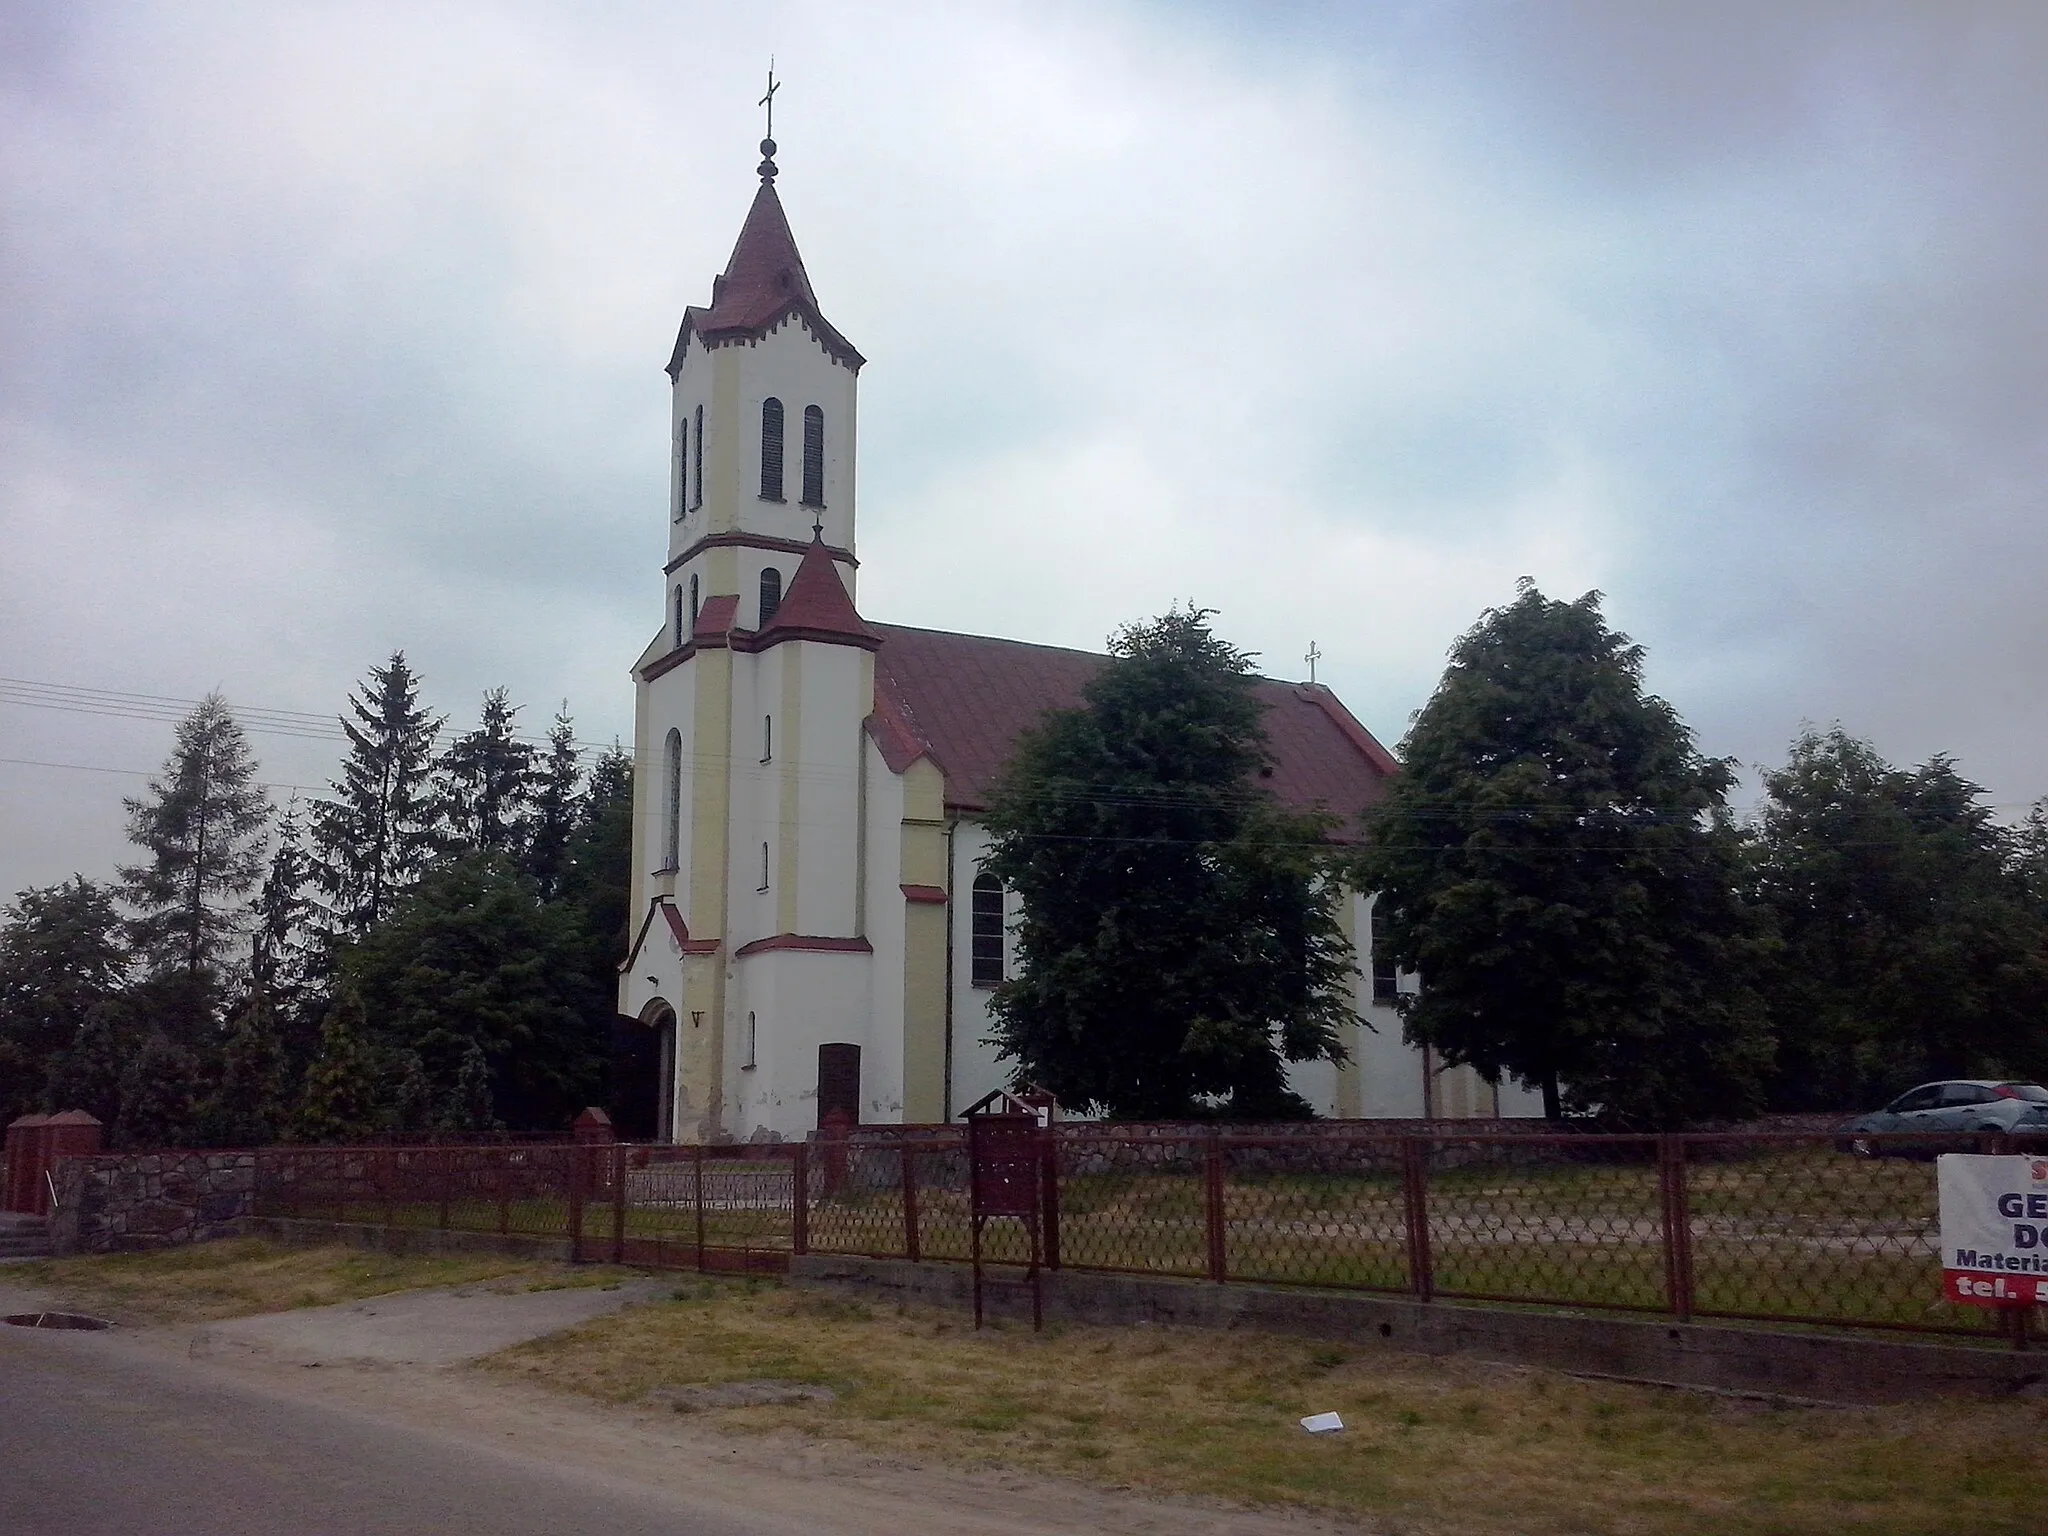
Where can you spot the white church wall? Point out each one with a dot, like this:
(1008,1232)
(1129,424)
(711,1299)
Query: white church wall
(883,907)
(976,1069)
(785,1004)
(826,740)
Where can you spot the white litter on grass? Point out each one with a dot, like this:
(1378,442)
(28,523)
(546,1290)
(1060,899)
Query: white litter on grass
(1322,1423)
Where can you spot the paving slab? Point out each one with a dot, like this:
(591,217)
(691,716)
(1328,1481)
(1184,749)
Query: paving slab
(432,1328)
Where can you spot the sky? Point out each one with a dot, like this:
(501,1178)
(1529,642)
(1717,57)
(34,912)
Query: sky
(334,329)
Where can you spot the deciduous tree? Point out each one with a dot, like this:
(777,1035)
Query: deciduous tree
(1178,944)
(62,954)
(1553,859)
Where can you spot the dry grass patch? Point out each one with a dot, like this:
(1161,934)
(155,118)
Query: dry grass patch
(240,1277)
(1449,1446)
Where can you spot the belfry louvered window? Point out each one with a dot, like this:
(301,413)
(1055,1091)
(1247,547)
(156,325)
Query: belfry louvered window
(771,595)
(986,931)
(697,461)
(683,467)
(771,449)
(682,617)
(814,456)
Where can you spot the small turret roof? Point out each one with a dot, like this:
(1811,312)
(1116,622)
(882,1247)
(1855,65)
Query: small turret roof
(764,280)
(817,607)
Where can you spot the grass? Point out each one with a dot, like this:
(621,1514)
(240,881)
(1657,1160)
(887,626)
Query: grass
(241,1277)
(1444,1446)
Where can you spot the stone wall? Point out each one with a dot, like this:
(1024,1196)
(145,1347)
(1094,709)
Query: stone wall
(120,1202)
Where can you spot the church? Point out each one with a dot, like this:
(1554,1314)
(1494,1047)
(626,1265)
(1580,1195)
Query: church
(812,930)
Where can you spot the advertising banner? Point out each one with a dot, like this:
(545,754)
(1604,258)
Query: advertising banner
(1994,1229)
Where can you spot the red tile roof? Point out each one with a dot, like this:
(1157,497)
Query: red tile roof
(965,699)
(817,607)
(764,281)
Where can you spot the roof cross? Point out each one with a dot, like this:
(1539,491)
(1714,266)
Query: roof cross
(768,101)
(1315,654)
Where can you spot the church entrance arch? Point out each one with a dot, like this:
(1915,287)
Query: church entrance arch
(643,1074)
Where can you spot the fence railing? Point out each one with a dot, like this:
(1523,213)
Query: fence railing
(1783,1228)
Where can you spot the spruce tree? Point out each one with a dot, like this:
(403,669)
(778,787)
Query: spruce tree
(159,1089)
(1179,944)
(88,1075)
(1554,861)
(486,783)
(202,825)
(555,808)
(249,1098)
(372,840)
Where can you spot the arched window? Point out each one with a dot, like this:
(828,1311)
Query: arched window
(771,594)
(682,615)
(986,930)
(693,605)
(771,449)
(697,462)
(764,867)
(673,832)
(682,467)
(814,456)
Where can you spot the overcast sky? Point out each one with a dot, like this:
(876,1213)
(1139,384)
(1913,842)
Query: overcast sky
(331,329)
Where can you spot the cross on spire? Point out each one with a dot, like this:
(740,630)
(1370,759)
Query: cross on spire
(1315,654)
(767,166)
(768,101)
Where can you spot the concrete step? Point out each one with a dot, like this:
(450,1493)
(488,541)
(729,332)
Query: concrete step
(23,1236)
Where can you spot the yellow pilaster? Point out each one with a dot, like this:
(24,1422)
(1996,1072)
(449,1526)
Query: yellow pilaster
(924,945)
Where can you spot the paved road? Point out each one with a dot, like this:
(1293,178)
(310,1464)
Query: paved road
(97,1436)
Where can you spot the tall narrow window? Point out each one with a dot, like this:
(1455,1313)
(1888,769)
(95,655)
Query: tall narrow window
(697,461)
(771,449)
(1384,987)
(764,868)
(986,930)
(682,617)
(672,839)
(814,456)
(693,605)
(771,595)
(767,738)
(753,1041)
(682,466)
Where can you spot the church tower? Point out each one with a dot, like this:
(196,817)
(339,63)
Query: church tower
(750,958)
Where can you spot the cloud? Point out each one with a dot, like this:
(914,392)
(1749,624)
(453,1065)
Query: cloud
(337,328)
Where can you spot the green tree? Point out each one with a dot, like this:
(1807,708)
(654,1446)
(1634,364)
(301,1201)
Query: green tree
(1554,860)
(486,783)
(202,825)
(158,1092)
(372,840)
(344,1096)
(556,804)
(474,957)
(62,954)
(248,1101)
(1179,941)
(1915,939)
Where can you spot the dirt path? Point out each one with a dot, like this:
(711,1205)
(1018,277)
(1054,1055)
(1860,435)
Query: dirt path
(342,1375)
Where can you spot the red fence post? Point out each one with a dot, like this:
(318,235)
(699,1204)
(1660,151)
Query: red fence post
(1212,1207)
(800,1199)
(577,1155)
(618,1202)
(1049,1199)
(1677,1207)
(1415,1201)
(910,1244)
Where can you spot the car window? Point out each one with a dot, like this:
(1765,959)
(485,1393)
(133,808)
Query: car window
(2033,1093)
(1919,1098)
(1954,1094)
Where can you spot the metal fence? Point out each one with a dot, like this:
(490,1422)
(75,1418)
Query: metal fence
(1786,1228)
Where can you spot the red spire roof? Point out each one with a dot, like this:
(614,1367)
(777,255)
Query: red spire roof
(817,607)
(764,280)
